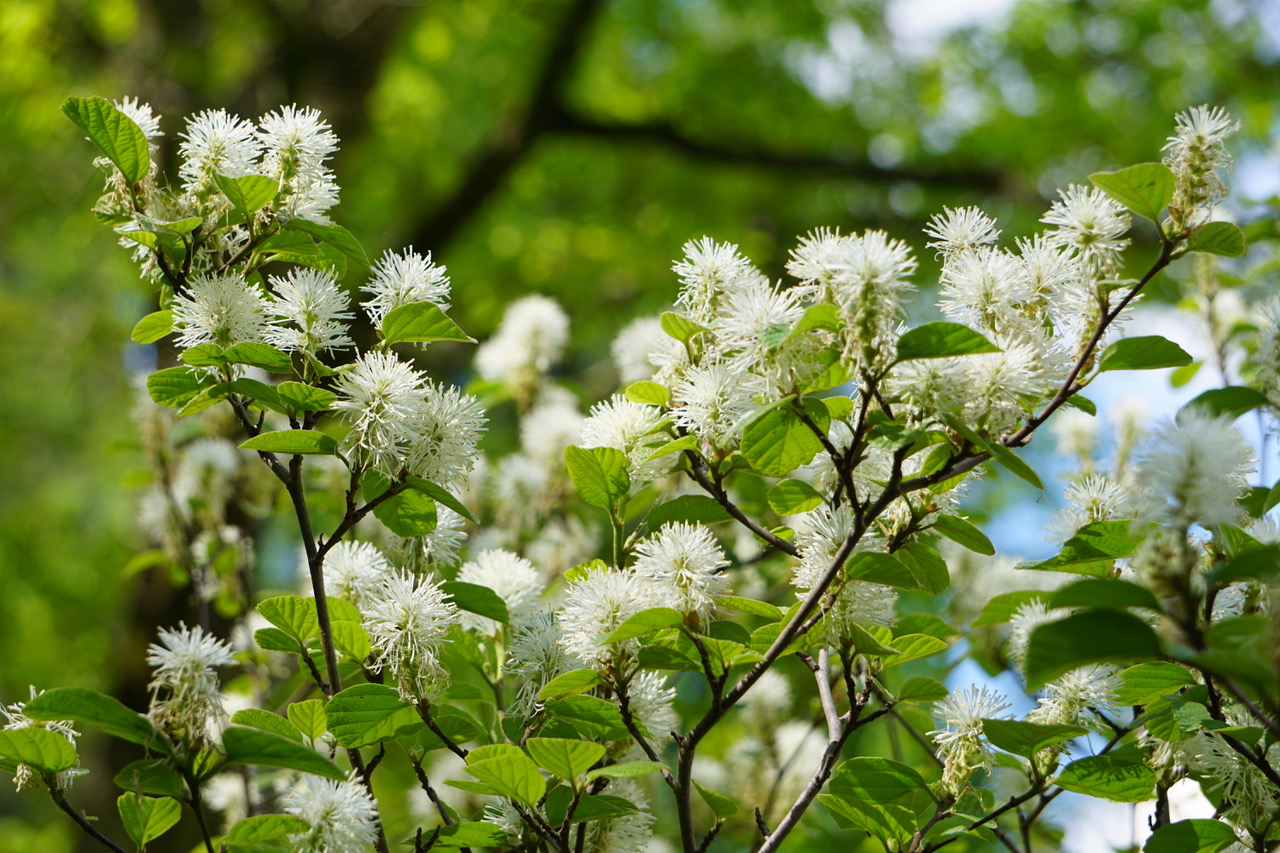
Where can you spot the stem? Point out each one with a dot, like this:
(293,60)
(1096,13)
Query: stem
(698,471)
(83,822)
(424,711)
(197,807)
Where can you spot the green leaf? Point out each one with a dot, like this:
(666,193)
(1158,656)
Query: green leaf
(1092,551)
(962,532)
(922,689)
(1233,401)
(942,340)
(1261,563)
(249,193)
(477,599)
(150,776)
(468,834)
(334,235)
(1177,718)
(642,623)
(598,473)
(1146,189)
(649,394)
(1218,238)
(293,614)
(41,749)
(1146,682)
(275,640)
(250,746)
(570,684)
(790,497)
(838,408)
(1084,404)
(203,355)
(255,390)
(256,718)
(1002,607)
(625,769)
(687,442)
(688,508)
(1083,638)
(441,495)
(409,513)
(146,818)
(877,567)
(914,646)
(265,828)
(679,327)
(926,566)
(152,327)
(511,774)
(369,714)
(894,790)
(750,605)
(998,451)
(1110,777)
(309,718)
(106,713)
(305,398)
(1026,739)
(721,805)
(1104,592)
(590,716)
(775,441)
(870,640)
(421,323)
(293,441)
(1148,352)
(174,387)
(820,316)
(566,758)
(1199,835)
(259,355)
(115,134)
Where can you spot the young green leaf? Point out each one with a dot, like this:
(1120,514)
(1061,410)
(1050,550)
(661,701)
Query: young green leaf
(566,758)
(679,327)
(1218,238)
(789,497)
(642,623)
(649,394)
(1198,835)
(1104,592)
(477,599)
(963,532)
(293,441)
(106,713)
(1149,352)
(257,718)
(699,508)
(305,398)
(249,193)
(512,775)
(293,614)
(1146,682)
(115,134)
(259,355)
(369,714)
(1146,189)
(265,828)
(309,718)
(152,327)
(147,818)
(150,776)
(175,387)
(1232,401)
(420,323)
(721,805)
(570,683)
(250,746)
(41,749)
(942,340)
(625,769)
(776,441)
(441,495)
(1110,777)
(1026,739)
(335,236)
(598,473)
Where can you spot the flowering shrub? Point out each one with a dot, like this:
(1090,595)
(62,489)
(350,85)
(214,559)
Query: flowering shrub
(718,593)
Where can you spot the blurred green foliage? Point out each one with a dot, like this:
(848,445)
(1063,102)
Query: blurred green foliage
(567,147)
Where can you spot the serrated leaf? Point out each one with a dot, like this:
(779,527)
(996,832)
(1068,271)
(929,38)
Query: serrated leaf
(642,623)
(790,497)
(265,828)
(566,758)
(687,508)
(305,398)
(679,327)
(1026,739)
(409,513)
(275,640)
(963,532)
(293,441)
(147,818)
(1199,835)
(942,340)
(309,717)
(649,394)
(259,355)
(775,441)
(293,614)
(1110,777)
(750,605)
(152,327)
(914,646)
(625,769)
(869,640)
(895,791)
(106,713)
(926,566)
(1231,401)
(114,133)
(333,235)
(1092,636)
(174,387)
(922,689)
(253,747)
(721,805)
(41,749)
(420,323)
(442,496)
(512,775)
(248,193)
(1218,238)
(1148,352)
(369,714)
(477,599)
(570,684)
(257,718)
(1146,188)
(598,473)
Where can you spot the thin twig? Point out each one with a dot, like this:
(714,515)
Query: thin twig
(83,822)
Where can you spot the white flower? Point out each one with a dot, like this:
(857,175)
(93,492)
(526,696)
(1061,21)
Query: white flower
(627,834)
(316,307)
(402,279)
(408,619)
(220,309)
(445,428)
(980,287)
(683,565)
(550,426)
(961,229)
(297,142)
(354,570)
(1090,499)
(708,273)
(536,656)
(629,427)
(1089,221)
(640,348)
(343,817)
(217,143)
(651,700)
(768,702)
(184,662)
(14,717)
(529,340)
(594,607)
(821,534)
(1197,144)
(1076,433)
(960,739)
(1251,796)
(1072,698)
(749,316)
(711,401)
(381,398)
(512,577)
(141,115)
(1196,469)
(1047,267)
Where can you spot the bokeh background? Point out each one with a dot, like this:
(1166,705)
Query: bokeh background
(564,147)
